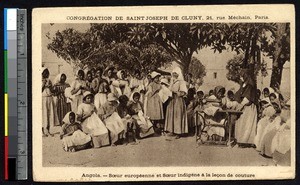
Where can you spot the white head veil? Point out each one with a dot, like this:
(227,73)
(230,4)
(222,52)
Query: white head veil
(57,78)
(183,86)
(66,119)
(178,71)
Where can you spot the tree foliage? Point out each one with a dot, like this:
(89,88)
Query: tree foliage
(255,39)
(183,40)
(108,44)
(235,65)
(280,53)
(197,69)
(246,38)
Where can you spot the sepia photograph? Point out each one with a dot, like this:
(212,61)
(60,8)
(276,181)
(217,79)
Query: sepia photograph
(154,94)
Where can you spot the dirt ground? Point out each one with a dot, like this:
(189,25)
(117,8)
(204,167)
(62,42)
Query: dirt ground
(152,151)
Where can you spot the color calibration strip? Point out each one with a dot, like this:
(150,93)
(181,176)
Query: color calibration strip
(13,168)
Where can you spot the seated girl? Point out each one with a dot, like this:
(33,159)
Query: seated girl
(90,122)
(144,124)
(73,138)
(111,118)
(123,112)
(281,143)
(213,119)
(230,101)
(266,117)
(270,131)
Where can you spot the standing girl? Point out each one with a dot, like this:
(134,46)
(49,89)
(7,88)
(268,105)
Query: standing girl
(90,122)
(147,82)
(61,101)
(101,87)
(78,87)
(176,117)
(154,103)
(109,76)
(48,109)
(137,85)
(121,85)
(89,82)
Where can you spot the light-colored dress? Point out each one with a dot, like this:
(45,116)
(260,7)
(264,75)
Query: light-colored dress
(154,103)
(281,145)
(261,125)
(215,121)
(176,116)
(137,85)
(49,111)
(72,134)
(93,125)
(77,98)
(143,123)
(113,121)
(102,91)
(268,135)
(146,84)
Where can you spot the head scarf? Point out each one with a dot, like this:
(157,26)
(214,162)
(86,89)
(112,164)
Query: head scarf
(277,102)
(66,119)
(271,90)
(266,100)
(218,89)
(183,86)
(178,71)
(154,74)
(44,68)
(77,72)
(131,96)
(199,89)
(86,93)
(57,78)
(107,69)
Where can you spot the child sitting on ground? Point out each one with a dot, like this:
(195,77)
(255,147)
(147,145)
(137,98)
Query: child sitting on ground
(113,122)
(71,134)
(144,124)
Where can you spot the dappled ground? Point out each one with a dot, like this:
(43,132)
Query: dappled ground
(152,151)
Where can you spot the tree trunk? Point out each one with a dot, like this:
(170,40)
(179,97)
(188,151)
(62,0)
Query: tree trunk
(186,65)
(278,63)
(276,75)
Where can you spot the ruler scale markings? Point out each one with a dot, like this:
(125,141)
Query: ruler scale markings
(22,160)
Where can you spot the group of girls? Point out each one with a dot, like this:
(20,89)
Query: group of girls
(273,136)
(103,107)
